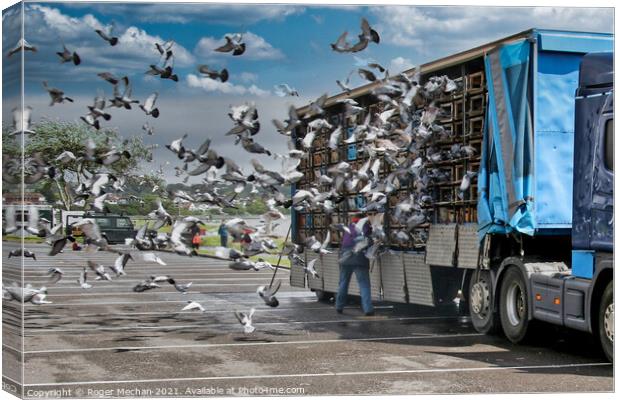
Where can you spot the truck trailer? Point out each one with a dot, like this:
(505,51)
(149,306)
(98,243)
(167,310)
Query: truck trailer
(531,240)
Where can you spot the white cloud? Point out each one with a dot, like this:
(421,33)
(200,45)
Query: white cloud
(248,77)
(257,48)
(448,29)
(49,28)
(178,13)
(212,85)
(400,64)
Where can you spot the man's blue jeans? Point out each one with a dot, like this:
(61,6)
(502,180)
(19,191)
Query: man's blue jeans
(357,263)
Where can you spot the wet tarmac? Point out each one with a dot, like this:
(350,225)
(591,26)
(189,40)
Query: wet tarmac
(112,342)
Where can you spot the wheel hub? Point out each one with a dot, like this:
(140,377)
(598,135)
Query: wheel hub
(480,298)
(515,306)
(609,322)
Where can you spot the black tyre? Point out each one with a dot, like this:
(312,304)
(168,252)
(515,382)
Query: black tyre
(514,306)
(321,295)
(606,321)
(480,303)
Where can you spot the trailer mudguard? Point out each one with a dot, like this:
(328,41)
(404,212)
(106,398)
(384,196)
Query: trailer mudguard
(506,166)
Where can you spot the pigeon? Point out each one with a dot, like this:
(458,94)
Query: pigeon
(113,41)
(146,284)
(152,257)
(267,293)
(283,90)
(466,183)
(21,120)
(242,265)
(309,268)
(246,320)
(68,56)
(180,288)
(233,44)
(82,280)
(22,44)
(149,106)
(55,274)
(368,35)
(109,77)
(212,74)
(119,264)
(10,224)
(25,294)
(57,95)
(22,252)
(99,270)
(193,305)
(341,45)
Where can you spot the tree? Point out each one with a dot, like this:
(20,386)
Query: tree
(52,138)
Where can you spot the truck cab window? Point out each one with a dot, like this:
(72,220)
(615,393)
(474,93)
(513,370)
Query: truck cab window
(609,144)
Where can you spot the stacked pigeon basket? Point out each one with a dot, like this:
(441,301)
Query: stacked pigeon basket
(402,275)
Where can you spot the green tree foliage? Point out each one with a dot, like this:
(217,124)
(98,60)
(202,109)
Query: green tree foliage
(53,137)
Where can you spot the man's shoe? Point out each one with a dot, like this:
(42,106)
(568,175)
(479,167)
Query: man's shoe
(369,314)
(338,310)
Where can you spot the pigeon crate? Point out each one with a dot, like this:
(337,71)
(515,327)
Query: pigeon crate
(476,127)
(351,204)
(319,142)
(475,105)
(460,87)
(303,163)
(319,221)
(470,214)
(318,158)
(458,108)
(477,145)
(351,152)
(445,112)
(446,194)
(308,221)
(457,129)
(475,82)
(334,156)
(360,201)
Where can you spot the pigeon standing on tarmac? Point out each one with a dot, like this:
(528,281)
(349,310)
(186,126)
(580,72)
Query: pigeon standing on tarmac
(180,288)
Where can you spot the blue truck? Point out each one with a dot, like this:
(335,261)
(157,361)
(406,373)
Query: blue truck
(532,243)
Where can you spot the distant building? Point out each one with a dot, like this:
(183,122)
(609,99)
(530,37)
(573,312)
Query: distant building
(30,198)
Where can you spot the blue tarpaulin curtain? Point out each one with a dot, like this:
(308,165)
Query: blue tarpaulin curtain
(506,167)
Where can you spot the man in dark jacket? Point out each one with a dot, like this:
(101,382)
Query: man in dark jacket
(351,262)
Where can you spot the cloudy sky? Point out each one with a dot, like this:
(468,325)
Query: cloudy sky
(285,44)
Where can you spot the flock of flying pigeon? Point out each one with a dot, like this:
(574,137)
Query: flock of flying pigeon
(407,123)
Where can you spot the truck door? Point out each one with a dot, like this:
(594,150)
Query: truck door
(603,181)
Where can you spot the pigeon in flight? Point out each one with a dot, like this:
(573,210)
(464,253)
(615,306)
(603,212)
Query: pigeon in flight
(246,320)
(82,279)
(21,120)
(149,106)
(193,305)
(213,74)
(67,56)
(180,288)
(119,264)
(268,294)
(99,270)
(57,95)
(152,257)
(107,36)
(233,43)
(283,90)
(309,268)
(22,44)
(22,252)
(55,274)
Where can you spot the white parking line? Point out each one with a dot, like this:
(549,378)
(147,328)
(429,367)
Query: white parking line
(332,374)
(211,345)
(207,311)
(32,330)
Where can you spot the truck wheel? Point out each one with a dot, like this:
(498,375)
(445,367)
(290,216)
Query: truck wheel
(321,295)
(606,321)
(514,306)
(480,301)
